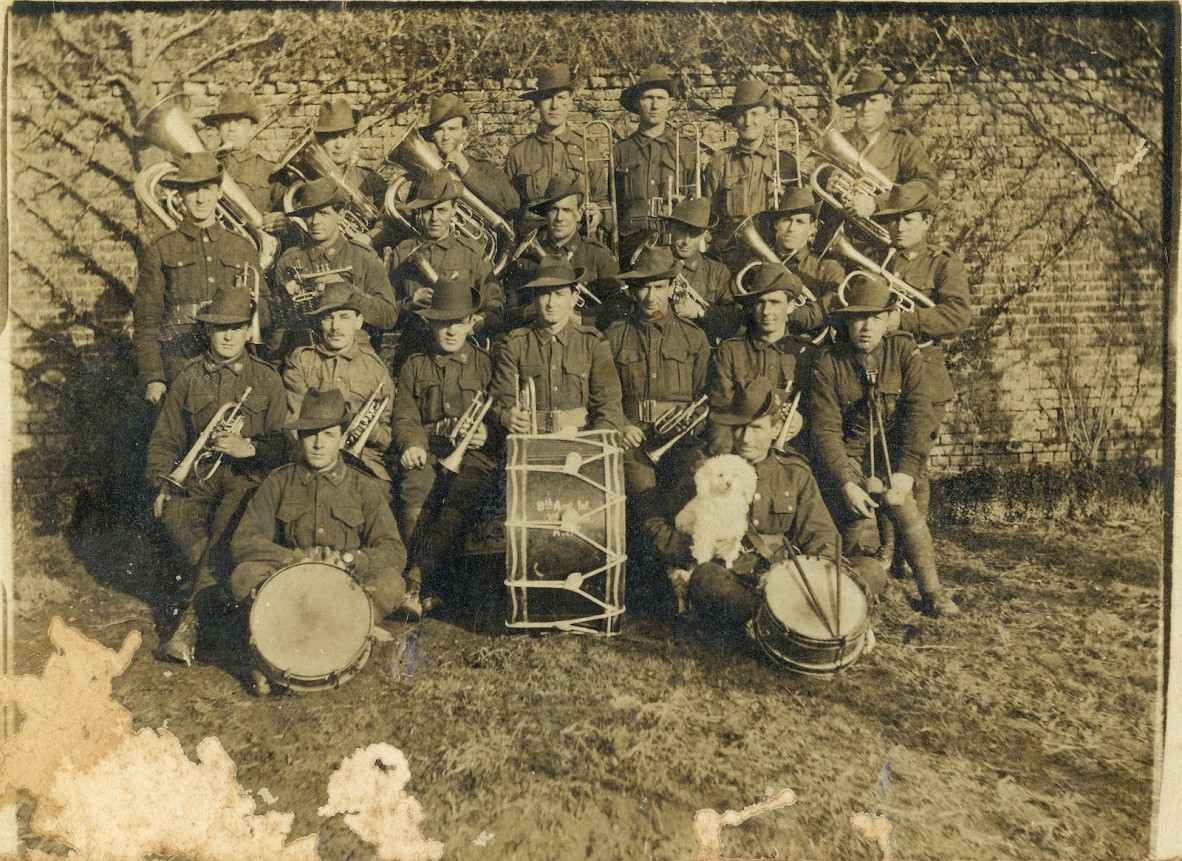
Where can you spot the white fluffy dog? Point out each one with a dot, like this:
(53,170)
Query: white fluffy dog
(716,518)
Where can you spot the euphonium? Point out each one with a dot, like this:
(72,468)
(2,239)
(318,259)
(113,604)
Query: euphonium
(168,127)
(836,183)
(465,431)
(227,420)
(674,425)
(358,432)
(474,218)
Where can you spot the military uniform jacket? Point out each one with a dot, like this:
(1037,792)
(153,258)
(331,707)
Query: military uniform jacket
(489,183)
(533,160)
(253,172)
(787,507)
(740,182)
(179,273)
(341,508)
(451,256)
(822,277)
(368,276)
(600,270)
(660,360)
(938,274)
(645,168)
(714,283)
(738,362)
(195,397)
(434,389)
(899,155)
(839,416)
(357,372)
(571,370)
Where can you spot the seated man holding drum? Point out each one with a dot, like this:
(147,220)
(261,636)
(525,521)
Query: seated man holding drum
(787,507)
(320,509)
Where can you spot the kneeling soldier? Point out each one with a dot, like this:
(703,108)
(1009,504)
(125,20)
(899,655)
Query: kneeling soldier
(320,508)
(246,442)
(437,390)
(871,411)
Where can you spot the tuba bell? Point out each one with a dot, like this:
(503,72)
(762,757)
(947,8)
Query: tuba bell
(168,127)
(846,173)
(415,158)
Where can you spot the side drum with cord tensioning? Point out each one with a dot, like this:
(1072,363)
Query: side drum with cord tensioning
(564,531)
(815,618)
(311,627)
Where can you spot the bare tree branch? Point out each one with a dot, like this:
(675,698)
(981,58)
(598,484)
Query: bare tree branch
(71,247)
(77,102)
(168,41)
(228,50)
(68,187)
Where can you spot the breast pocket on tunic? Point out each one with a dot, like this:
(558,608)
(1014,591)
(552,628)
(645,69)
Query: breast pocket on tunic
(349,520)
(180,278)
(427,395)
(630,178)
(576,380)
(677,370)
(633,370)
(287,523)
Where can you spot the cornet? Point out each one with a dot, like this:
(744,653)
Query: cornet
(683,290)
(792,421)
(527,401)
(465,431)
(226,421)
(362,426)
(673,426)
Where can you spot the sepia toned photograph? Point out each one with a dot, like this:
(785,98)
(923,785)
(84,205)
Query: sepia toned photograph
(542,431)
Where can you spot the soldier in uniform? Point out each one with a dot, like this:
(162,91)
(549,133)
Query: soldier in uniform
(646,164)
(894,151)
(320,204)
(236,120)
(873,373)
(767,350)
(447,131)
(180,272)
(336,131)
(339,360)
(561,206)
(320,508)
(741,179)
(787,508)
(439,252)
(721,316)
(435,388)
(555,150)
(199,514)
(570,363)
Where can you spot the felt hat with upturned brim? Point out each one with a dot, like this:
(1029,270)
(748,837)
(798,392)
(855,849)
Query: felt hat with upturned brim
(340,296)
(796,200)
(655,77)
(694,213)
(560,187)
(320,410)
(551,79)
(750,93)
(317,194)
(748,405)
(444,107)
(452,299)
(653,264)
(194,168)
(229,307)
(553,273)
(772,278)
(435,187)
(911,196)
(866,294)
(233,103)
(868,82)
(336,115)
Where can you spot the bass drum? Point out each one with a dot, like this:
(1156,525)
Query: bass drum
(814,620)
(311,627)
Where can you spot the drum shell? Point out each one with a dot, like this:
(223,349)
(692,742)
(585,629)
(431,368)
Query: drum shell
(565,518)
(311,626)
(816,651)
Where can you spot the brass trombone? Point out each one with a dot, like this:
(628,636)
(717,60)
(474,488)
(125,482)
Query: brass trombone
(465,431)
(673,426)
(606,137)
(226,421)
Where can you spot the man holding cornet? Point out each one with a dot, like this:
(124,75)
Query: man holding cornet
(339,360)
(440,432)
(710,300)
(216,438)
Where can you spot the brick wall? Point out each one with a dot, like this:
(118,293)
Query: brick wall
(1067,338)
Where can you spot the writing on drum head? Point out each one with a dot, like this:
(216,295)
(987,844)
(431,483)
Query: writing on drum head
(556,507)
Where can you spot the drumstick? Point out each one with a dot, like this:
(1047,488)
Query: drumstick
(814,604)
(837,581)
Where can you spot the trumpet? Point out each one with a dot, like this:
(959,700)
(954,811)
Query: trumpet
(305,287)
(168,127)
(846,175)
(909,297)
(673,426)
(415,158)
(791,418)
(358,432)
(607,136)
(527,401)
(683,290)
(465,431)
(226,421)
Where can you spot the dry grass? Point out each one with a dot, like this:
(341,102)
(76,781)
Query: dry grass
(1022,730)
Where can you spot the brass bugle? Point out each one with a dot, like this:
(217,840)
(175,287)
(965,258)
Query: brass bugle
(473,422)
(678,421)
(227,420)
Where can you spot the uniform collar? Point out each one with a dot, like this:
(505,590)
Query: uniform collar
(764,148)
(693,262)
(572,245)
(213,364)
(915,250)
(352,351)
(563,335)
(461,356)
(191,230)
(446,242)
(643,322)
(666,136)
(334,475)
(548,137)
(333,248)
(760,344)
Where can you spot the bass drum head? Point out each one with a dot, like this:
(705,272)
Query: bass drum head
(793,633)
(310,626)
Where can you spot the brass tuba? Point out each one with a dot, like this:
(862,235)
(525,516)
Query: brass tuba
(475,219)
(845,174)
(168,127)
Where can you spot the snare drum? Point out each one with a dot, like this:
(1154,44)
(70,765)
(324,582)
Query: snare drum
(818,629)
(564,531)
(311,626)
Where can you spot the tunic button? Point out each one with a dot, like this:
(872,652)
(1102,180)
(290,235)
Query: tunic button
(209,259)
(755,521)
(654,376)
(210,280)
(321,529)
(555,388)
(446,405)
(758,496)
